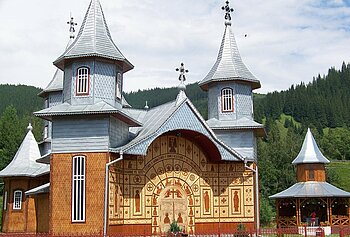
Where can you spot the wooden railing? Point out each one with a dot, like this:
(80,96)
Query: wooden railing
(339,220)
(284,221)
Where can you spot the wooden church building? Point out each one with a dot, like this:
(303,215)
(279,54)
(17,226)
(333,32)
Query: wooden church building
(104,166)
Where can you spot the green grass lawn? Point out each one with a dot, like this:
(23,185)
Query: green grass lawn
(342,170)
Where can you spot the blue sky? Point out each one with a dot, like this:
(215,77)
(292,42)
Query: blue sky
(287,41)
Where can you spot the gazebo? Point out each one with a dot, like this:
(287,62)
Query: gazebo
(312,201)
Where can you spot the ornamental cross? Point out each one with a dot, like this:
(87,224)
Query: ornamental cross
(182,71)
(71,28)
(227,10)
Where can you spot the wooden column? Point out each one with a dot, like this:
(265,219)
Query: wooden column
(277,211)
(297,207)
(330,211)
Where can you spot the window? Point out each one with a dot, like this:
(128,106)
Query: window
(227,100)
(119,86)
(311,175)
(83,81)
(5,200)
(46,131)
(46,104)
(78,189)
(17,200)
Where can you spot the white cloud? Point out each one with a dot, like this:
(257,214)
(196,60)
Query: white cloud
(287,41)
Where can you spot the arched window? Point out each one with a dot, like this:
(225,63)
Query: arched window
(83,74)
(78,189)
(119,86)
(17,200)
(227,100)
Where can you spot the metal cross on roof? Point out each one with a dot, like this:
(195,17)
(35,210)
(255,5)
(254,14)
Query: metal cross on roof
(182,71)
(71,28)
(228,11)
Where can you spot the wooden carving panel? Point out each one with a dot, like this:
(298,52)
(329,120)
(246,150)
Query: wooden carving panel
(176,181)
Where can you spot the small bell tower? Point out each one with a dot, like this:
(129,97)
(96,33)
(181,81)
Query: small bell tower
(229,84)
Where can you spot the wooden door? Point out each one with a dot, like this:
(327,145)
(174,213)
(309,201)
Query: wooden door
(172,207)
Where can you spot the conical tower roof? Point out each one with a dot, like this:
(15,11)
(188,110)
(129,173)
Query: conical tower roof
(56,84)
(310,153)
(94,40)
(24,163)
(229,65)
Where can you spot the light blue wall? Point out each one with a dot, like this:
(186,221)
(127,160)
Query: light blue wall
(88,134)
(244,142)
(67,84)
(82,99)
(80,134)
(243,101)
(102,83)
(119,133)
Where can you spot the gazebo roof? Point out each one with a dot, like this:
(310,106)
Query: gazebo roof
(311,189)
(24,163)
(310,153)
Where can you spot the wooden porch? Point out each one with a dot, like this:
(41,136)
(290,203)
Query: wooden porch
(293,212)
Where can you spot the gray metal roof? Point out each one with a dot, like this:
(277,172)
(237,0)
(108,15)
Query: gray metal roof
(56,84)
(45,188)
(45,159)
(239,124)
(97,108)
(175,115)
(229,65)
(311,189)
(125,103)
(94,40)
(24,162)
(310,153)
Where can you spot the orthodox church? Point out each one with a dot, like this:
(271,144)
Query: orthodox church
(104,166)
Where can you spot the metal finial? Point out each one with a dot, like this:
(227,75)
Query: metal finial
(146,106)
(29,128)
(71,28)
(228,11)
(182,71)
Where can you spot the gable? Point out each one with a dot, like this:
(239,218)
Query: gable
(183,118)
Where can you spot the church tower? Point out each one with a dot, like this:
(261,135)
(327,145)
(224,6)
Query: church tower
(89,121)
(230,98)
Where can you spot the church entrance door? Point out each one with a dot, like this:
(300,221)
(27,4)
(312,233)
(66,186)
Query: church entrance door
(172,207)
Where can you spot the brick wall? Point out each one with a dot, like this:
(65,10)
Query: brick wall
(61,193)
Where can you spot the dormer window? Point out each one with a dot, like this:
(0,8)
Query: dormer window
(227,100)
(119,86)
(83,74)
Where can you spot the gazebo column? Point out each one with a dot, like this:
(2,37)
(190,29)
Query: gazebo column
(298,211)
(348,203)
(278,212)
(331,200)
